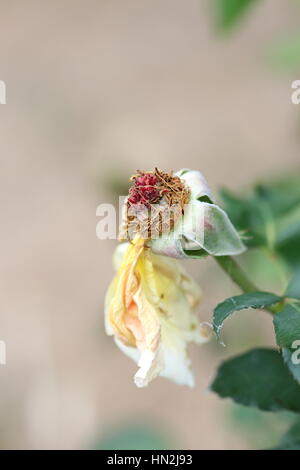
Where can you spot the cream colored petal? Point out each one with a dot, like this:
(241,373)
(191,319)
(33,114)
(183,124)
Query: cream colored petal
(148,319)
(131,352)
(190,288)
(203,227)
(201,334)
(158,299)
(150,363)
(196,182)
(177,364)
(167,363)
(177,367)
(119,253)
(169,247)
(179,295)
(122,290)
(220,236)
(169,267)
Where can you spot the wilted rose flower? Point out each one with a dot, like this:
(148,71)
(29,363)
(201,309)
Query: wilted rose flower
(151,303)
(204,227)
(150,309)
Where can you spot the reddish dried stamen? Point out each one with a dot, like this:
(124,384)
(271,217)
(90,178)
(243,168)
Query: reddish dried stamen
(144,190)
(146,180)
(147,190)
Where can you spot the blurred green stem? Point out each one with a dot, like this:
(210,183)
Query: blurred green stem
(235,272)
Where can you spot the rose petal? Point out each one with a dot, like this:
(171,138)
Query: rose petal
(150,363)
(196,182)
(162,320)
(205,227)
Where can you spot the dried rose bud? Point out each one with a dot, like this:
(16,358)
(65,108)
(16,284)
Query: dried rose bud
(135,196)
(149,195)
(146,180)
(144,190)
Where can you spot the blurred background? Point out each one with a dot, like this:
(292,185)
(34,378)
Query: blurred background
(96,90)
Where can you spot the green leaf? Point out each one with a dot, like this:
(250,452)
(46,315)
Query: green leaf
(241,302)
(132,436)
(281,195)
(246,217)
(287,326)
(205,198)
(290,248)
(258,378)
(293,367)
(269,215)
(288,238)
(261,429)
(196,253)
(286,53)
(228,12)
(291,440)
(268,270)
(293,289)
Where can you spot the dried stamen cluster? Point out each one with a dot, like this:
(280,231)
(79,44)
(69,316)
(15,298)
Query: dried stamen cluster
(156,200)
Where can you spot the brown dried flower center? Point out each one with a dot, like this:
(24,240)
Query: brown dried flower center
(155,202)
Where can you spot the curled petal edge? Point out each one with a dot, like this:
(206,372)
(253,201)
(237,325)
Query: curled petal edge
(204,229)
(196,182)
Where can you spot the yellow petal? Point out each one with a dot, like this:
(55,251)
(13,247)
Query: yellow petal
(150,307)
